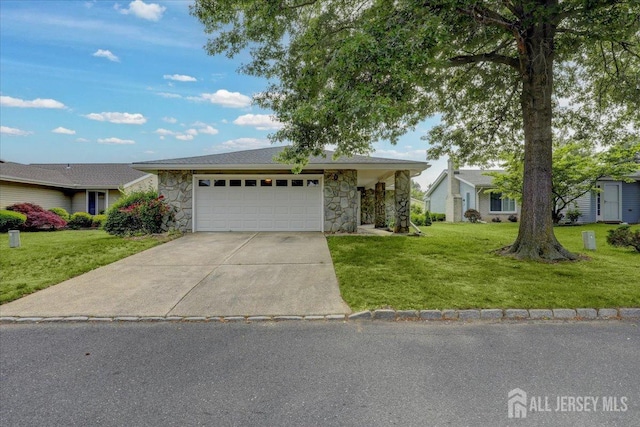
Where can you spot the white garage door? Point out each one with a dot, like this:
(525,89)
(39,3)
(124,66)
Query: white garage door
(258,203)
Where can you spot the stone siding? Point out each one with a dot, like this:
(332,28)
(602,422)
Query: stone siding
(367,205)
(402,190)
(390,207)
(340,201)
(177,189)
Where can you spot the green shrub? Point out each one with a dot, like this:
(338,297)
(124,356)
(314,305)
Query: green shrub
(416,208)
(623,237)
(38,219)
(573,215)
(472,215)
(61,212)
(438,217)
(10,220)
(98,221)
(427,218)
(417,218)
(140,212)
(80,220)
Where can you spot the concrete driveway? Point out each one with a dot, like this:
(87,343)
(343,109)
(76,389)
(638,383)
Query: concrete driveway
(202,274)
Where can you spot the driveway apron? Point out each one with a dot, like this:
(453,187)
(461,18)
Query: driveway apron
(202,274)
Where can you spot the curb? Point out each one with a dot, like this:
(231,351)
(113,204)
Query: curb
(491,314)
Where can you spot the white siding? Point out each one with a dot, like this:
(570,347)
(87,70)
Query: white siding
(11,193)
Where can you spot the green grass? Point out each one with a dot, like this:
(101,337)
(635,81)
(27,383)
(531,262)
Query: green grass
(453,267)
(48,258)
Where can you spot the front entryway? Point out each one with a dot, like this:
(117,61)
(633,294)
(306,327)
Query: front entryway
(258,203)
(611,202)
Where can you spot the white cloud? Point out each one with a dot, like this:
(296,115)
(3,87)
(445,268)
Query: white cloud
(122,118)
(9,101)
(180,78)
(162,132)
(168,95)
(417,155)
(169,119)
(101,53)
(148,11)
(187,135)
(209,130)
(240,144)
(65,131)
(225,98)
(259,121)
(82,140)
(205,128)
(116,141)
(5,130)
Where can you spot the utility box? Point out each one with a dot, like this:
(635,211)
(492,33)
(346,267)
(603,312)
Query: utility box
(14,238)
(589,240)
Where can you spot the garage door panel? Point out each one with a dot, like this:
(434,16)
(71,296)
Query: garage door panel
(257,208)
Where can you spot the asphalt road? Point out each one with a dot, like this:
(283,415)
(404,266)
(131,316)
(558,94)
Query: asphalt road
(318,374)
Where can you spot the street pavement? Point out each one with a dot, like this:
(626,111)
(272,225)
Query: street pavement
(305,373)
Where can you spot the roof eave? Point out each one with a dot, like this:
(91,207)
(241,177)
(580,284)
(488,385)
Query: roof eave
(36,182)
(149,167)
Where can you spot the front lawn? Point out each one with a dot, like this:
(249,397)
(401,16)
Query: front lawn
(453,267)
(48,258)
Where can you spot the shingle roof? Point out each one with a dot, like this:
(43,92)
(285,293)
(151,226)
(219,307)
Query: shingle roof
(264,156)
(476,177)
(73,175)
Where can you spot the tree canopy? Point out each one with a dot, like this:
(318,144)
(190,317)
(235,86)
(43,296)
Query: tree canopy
(500,73)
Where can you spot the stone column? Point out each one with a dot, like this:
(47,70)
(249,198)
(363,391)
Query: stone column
(380,211)
(403,199)
(367,205)
(177,189)
(340,201)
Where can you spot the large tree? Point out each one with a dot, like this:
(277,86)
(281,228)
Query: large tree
(576,169)
(349,73)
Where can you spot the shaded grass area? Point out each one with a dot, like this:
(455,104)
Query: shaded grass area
(48,258)
(453,266)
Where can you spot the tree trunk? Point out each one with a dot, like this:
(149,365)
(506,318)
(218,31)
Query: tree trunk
(536,240)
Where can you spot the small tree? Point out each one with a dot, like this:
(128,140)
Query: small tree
(576,169)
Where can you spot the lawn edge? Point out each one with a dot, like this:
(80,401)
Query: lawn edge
(492,314)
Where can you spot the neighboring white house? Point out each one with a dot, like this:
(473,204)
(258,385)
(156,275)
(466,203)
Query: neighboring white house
(84,187)
(457,190)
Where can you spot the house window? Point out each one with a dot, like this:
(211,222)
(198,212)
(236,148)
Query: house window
(250,182)
(297,182)
(235,183)
(266,182)
(312,183)
(204,183)
(502,204)
(219,182)
(282,183)
(598,202)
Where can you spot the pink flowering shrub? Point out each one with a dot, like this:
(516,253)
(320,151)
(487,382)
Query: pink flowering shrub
(138,213)
(38,219)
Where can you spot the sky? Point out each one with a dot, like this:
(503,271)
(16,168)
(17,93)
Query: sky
(104,81)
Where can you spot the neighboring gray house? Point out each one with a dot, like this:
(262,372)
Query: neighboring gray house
(250,191)
(457,190)
(617,201)
(86,187)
